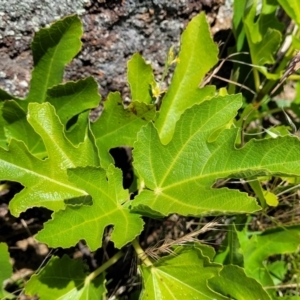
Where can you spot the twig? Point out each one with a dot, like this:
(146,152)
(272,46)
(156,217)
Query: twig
(292,67)
(154,251)
(208,78)
(283,286)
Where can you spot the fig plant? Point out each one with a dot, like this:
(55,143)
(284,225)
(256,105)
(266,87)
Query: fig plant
(182,144)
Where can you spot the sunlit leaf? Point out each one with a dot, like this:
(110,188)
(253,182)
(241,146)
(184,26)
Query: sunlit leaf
(89,222)
(140,76)
(183,275)
(197,56)
(45,181)
(73,98)
(179,176)
(52,49)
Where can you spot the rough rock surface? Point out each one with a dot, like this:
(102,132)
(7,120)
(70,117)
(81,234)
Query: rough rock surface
(113,31)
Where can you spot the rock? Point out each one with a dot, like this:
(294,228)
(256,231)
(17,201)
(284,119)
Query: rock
(113,32)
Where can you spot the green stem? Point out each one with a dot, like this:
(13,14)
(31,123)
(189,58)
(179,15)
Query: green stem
(256,80)
(105,266)
(141,254)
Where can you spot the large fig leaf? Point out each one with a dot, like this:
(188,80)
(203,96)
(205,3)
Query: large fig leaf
(197,56)
(45,181)
(179,176)
(89,222)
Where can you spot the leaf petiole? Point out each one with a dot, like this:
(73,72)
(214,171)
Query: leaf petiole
(105,266)
(141,254)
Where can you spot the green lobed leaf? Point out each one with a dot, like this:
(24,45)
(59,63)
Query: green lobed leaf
(118,126)
(52,49)
(234,283)
(257,249)
(45,181)
(46,123)
(89,222)
(5,267)
(197,56)
(73,98)
(69,100)
(179,176)
(140,76)
(183,275)
(64,278)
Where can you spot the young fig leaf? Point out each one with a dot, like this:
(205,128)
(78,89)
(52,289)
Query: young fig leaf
(197,56)
(140,76)
(52,49)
